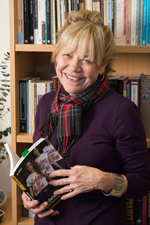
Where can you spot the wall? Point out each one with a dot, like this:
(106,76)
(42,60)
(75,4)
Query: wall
(5,180)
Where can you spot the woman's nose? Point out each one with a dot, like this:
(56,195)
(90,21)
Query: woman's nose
(75,65)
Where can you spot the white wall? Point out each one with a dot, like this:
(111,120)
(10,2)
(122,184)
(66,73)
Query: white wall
(5,180)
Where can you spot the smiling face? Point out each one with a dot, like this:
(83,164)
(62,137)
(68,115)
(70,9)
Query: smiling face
(29,167)
(75,73)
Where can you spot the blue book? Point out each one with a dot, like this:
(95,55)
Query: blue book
(148,23)
(144,24)
(109,13)
(128,91)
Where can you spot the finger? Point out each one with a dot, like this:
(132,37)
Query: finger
(60,173)
(49,212)
(28,204)
(60,182)
(40,208)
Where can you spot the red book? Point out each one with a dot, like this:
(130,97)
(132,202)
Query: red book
(144,210)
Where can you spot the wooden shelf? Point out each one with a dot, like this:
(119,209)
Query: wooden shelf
(50,48)
(24,138)
(26,221)
(7,208)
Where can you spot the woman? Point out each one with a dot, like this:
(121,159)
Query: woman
(96,130)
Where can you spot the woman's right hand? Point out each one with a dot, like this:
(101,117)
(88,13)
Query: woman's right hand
(34,207)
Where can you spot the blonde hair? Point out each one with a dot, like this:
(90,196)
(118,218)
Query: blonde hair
(84,29)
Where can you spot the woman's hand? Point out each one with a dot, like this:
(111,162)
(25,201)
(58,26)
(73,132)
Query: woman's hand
(81,179)
(34,207)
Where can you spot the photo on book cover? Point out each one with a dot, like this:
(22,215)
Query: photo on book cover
(33,172)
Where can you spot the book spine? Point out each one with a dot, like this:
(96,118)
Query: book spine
(39,21)
(144,25)
(138,212)
(43,16)
(105,12)
(134,91)
(20,22)
(32,110)
(26,22)
(35,100)
(124,31)
(76,7)
(148,208)
(109,13)
(119,22)
(128,22)
(133,22)
(55,83)
(96,5)
(102,9)
(23,112)
(48,21)
(145,103)
(27,108)
(53,25)
(88,4)
(137,22)
(31,26)
(148,24)
(36,35)
(81,4)
(144,210)
(62,12)
(45,22)
(130,210)
(128,91)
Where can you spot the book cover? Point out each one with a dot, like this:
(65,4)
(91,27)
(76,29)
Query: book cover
(145,102)
(31,20)
(135,90)
(31,171)
(128,22)
(26,21)
(23,104)
(20,22)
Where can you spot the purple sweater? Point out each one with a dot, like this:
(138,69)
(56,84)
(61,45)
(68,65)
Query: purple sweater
(113,140)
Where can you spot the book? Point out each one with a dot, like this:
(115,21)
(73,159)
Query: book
(31,171)
(81,4)
(114,83)
(145,102)
(23,103)
(135,90)
(36,35)
(96,5)
(140,23)
(31,20)
(133,22)
(138,212)
(109,13)
(20,22)
(88,4)
(130,210)
(119,22)
(55,82)
(124,28)
(26,21)
(48,22)
(105,11)
(137,22)
(53,22)
(43,20)
(128,22)
(40,22)
(148,208)
(144,24)
(144,210)
(148,24)
(102,9)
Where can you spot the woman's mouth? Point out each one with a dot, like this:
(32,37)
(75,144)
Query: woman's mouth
(72,78)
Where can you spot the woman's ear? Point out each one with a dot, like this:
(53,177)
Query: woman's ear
(102,69)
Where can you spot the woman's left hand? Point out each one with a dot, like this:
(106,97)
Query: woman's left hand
(80,179)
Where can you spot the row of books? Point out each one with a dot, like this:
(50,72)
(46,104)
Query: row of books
(31,90)
(138,210)
(39,20)
(137,89)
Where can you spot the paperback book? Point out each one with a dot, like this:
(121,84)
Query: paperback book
(31,171)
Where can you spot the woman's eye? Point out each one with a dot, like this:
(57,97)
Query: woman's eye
(67,55)
(87,61)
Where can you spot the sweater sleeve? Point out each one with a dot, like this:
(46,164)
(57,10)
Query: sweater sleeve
(131,148)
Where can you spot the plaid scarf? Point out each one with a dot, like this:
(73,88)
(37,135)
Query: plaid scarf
(67,111)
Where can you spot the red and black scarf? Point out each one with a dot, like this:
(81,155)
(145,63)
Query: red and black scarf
(66,111)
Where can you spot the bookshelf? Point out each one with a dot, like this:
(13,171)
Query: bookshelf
(27,60)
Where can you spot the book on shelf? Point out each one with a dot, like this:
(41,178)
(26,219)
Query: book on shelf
(23,103)
(39,15)
(31,22)
(148,208)
(119,22)
(144,24)
(48,22)
(81,4)
(20,22)
(138,210)
(53,22)
(135,90)
(88,4)
(145,102)
(118,83)
(26,21)
(31,171)
(105,11)
(130,210)
(102,9)
(109,13)
(148,24)
(128,22)
(133,22)
(36,35)
(55,82)
(96,5)
(144,210)
(43,22)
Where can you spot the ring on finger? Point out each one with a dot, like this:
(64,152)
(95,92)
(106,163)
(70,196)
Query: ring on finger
(70,190)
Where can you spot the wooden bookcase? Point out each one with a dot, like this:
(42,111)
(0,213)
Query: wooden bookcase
(27,60)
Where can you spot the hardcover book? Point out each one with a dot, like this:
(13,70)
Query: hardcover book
(31,171)
(135,90)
